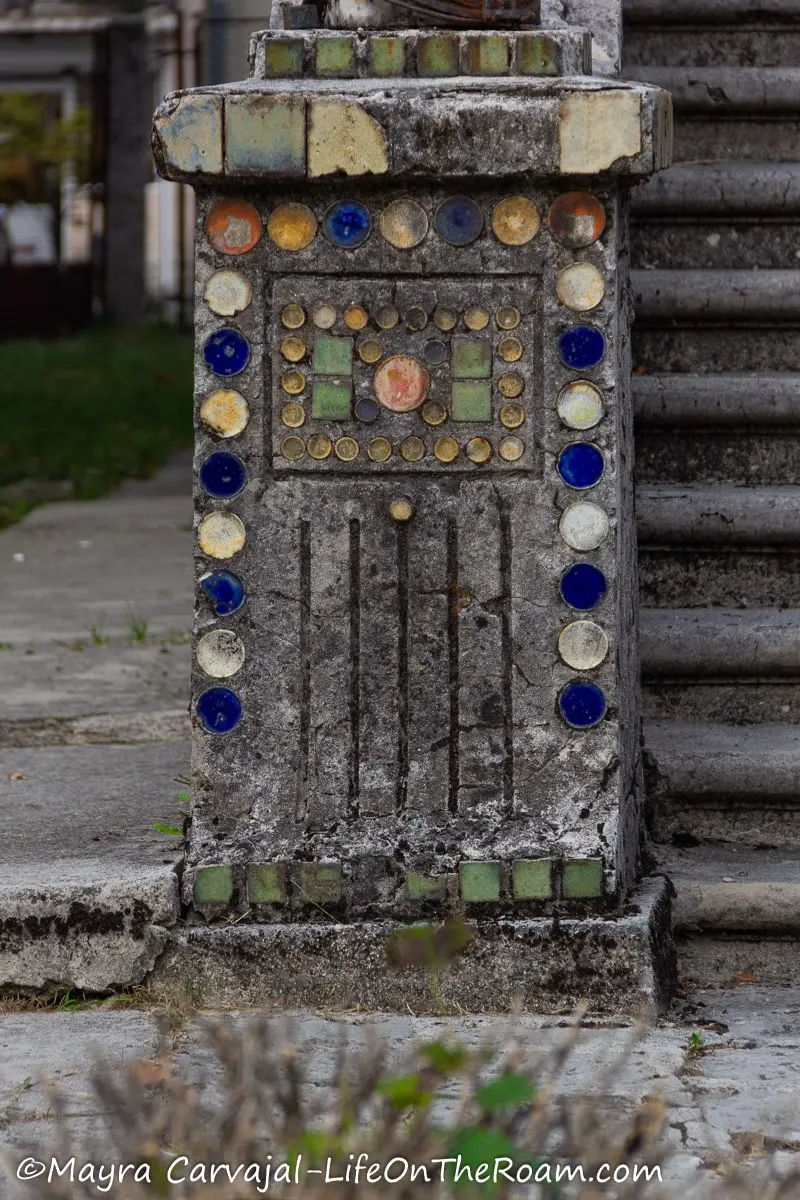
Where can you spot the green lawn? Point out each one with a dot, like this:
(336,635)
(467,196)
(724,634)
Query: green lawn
(106,405)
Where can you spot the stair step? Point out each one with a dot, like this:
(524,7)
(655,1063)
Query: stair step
(720,643)
(718,517)
(730,889)
(734,189)
(727,91)
(708,12)
(670,297)
(727,399)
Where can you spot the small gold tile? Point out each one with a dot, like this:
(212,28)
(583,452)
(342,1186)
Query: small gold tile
(356,317)
(292,226)
(294,382)
(379,449)
(401,509)
(319,446)
(324,316)
(510,349)
(511,449)
(433,413)
(412,449)
(293,448)
(446,449)
(293,414)
(387,318)
(476,318)
(507,317)
(515,221)
(478,450)
(445,319)
(293,349)
(416,318)
(512,416)
(346,449)
(293,317)
(510,386)
(369,351)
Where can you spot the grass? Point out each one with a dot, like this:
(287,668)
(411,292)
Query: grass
(106,405)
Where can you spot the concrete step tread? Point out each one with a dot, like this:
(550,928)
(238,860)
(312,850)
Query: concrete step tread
(676,296)
(721,189)
(720,399)
(718,515)
(720,642)
(708,12)
(726,90)
(737,762)
(726,888)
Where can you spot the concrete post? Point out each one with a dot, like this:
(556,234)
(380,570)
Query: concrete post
(127,169)
(416,684)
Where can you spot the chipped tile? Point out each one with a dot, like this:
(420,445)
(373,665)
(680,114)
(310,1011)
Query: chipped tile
(596,129)
(342,136)
(191,133)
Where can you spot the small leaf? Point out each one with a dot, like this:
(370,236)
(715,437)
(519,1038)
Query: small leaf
(476,1146)
(406,1091)
(443,1058)
(508,1091)
(169,830)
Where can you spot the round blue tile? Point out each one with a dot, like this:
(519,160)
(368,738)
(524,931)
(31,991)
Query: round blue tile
(225,591)
(347,223)
(583,586)
(582,705)
(582,347)
(223,475)
(367,410)
(227,352)
(581,465)
(459,220)
(219,710)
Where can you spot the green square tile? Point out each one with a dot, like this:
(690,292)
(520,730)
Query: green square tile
(318,883)
(489,56)
(425,887)
(283,58)
(331,399)
(386,56)
(437,55)
(336,56)
(213,885)
(333,355)
(480,881)
(471,400)
(533,878)
(472,358)
(536,54)
(583,878)
(265,135)
(266,883)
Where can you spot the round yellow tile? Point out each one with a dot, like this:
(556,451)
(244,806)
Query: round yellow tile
(225,412)
(515,221)
(292,226)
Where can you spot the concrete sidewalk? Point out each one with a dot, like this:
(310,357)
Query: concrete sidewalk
(95,620)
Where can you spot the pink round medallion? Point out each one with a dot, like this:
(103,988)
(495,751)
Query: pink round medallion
(401,383)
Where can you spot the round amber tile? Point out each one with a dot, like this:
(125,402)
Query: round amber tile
(225,412)
(433,413)
(379,449)
(476,318)
(515,221)
(355,317)
(511,449)
(401,509)
(370,351)
(507,317)
(293,448)
(512,416)
(324,316)
(580,287)
(227,293)
(478,450)
(293,383)
(292,226)
(510,386)
(412,449)
(346,449)
(319,446)
(510,349)
(445,319)
(576,220)
(293,317)
(293,349)
(293,414)
(416,318)
(387,317)
(446,449)
(403,224)
(401,383)
(233,226)
(221,534)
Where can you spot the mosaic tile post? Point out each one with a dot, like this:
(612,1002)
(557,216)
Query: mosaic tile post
(415,687)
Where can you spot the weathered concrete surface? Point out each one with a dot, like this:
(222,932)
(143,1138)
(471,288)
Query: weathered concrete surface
(739,1095)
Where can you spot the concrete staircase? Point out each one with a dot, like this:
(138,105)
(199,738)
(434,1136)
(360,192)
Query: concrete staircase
(716,256)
